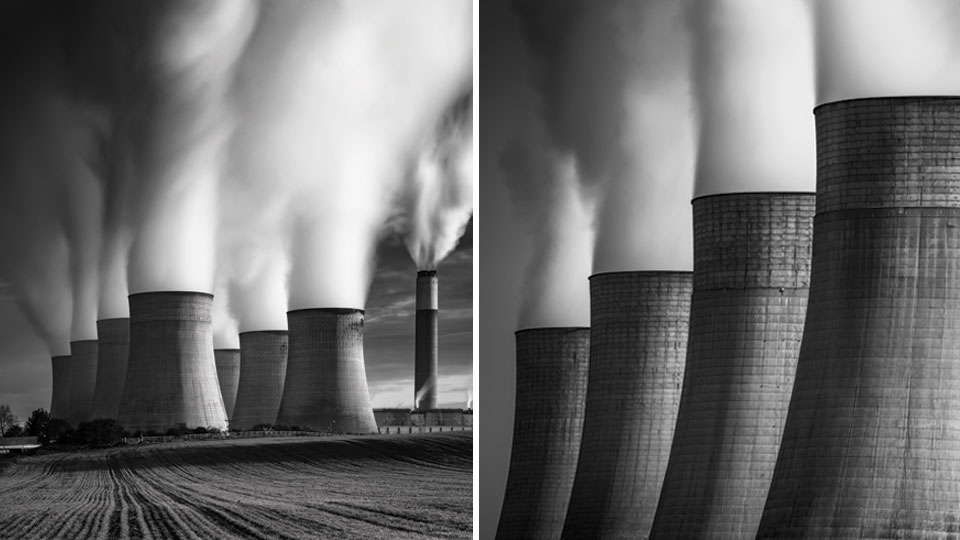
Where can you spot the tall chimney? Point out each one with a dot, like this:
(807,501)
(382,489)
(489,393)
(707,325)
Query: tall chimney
(263,366)
(638,341)
(171,375)
(83,379)
(751,275)
(60,398)
(551,388)
(228,375)
(113,349)
(326,382)
(871,445)
(425,370)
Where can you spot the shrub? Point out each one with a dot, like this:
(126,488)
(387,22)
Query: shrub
(100,432)
(58,431)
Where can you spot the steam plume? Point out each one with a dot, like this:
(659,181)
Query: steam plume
(890,48)
(225,334)
(753,79)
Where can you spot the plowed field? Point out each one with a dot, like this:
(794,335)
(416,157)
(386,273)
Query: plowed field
(396,486)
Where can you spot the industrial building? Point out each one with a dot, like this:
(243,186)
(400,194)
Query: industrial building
(228,375)
(425,362)
(113,349)
(263,368)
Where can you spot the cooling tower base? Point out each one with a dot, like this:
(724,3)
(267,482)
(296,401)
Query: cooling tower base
(113,349)
(263,367)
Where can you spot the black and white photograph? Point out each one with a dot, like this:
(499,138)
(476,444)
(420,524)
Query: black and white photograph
(237,269)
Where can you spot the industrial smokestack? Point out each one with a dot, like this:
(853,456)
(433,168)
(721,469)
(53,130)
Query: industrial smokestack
(263,366)
(326,383)
(870,446)
(83,379)
(552,368)
(228,374)
(425,370)
(171,374)
(60,398)
(751,274)
(638,341)
(113,349)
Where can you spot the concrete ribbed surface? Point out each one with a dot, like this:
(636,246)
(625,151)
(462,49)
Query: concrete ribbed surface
(871,445)
(263,367)
(326,384)
(171,373)
(60,396)
(638,342)
(228,375)
(83,380)
(751,278)
(113,348)
(552,365)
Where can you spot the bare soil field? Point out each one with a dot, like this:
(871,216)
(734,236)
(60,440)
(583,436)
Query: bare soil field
(397,486)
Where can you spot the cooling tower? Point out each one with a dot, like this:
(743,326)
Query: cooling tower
(171,374)
(552,368)
(425,370)
(263,366)
(326,383)
(228,374)
(113,348)
(871,444)
(83,379)
(638,341)
(751,273)
(60,398)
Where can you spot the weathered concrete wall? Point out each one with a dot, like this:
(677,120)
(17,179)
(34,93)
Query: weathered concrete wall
(751,274)
(263,368)
(171,373)
(113,349)
(638,341)
(228,375)
(326,382)
(552,365)
(60,398)
(871,445)
(83,380)
(425,365)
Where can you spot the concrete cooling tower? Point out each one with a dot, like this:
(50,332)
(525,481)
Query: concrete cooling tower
(326,383)
(60,397)
(228,375)
(263,367)
(871,444)
(171,375)
(425,368)
(113,348)
(638,342)
(83,379)
(552,368)
(751,272)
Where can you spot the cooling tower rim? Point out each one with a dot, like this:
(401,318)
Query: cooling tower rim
(227,349)
(910,97)
(426,273)
(275,332)
(335,310)
(171,293)
(643,272)
(759,193)
(551,328)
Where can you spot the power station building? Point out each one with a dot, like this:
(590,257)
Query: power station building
(263,368)
(113,349)
(552,365)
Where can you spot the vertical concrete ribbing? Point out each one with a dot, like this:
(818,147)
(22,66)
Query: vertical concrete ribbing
(171,373)
(263,367)
(552,365)
(113,348)
(326,383)
(638,341)
(750,281)
(871,444)
(60,397)
(228,375)
(425,369)
(83,379)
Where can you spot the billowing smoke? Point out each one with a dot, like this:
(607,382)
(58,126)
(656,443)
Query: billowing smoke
(867,48)
(614,79)
(335,96)
(438,202)
(753,79)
